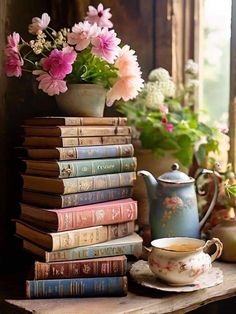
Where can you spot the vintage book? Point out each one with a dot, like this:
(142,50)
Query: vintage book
(79,168)
(76,185)
(76,121)
(77,287)
(82,216)
(75,131)
(82,152)
(54,241)
(40,141)
(75,199)
(95,267)
(129,245)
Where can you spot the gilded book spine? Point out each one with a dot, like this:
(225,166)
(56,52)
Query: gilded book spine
(100,182)
(121,246)
(77,287)
(66,131)
(101,216)
(96,166)
(80,237)
(84,198)
(106,151)
(97,267)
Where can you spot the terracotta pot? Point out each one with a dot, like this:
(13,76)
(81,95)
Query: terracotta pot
(147,161)
(85,100)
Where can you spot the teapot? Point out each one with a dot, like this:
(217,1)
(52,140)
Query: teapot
(172,199)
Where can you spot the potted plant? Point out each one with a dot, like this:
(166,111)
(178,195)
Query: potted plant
(88,55)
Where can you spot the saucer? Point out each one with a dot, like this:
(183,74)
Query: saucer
(141,274)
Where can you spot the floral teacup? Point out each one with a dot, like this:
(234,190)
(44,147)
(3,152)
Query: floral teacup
(180,260)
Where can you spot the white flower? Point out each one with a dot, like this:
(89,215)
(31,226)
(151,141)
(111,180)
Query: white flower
(192,84)
(154,97)
(167,88)
(191,67)
(159,74)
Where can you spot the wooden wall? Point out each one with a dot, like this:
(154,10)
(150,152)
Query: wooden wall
(148,26)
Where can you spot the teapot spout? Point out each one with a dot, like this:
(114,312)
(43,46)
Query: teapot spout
(151,183)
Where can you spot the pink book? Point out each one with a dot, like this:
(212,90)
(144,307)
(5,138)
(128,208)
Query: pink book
(81,216)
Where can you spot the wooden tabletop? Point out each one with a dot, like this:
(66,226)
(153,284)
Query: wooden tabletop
(139,300)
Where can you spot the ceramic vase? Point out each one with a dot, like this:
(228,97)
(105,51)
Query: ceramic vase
(226,232)
(82,100)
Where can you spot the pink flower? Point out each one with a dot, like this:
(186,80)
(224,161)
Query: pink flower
(12,44)
(163,109)
(50,85)
(169,127)
(13,65)
(129,81)
(81,35)
(99,16)
(59,63)
(39,24)
(105,45)
(164,120)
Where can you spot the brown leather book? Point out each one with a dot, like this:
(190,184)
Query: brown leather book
(81,152)
(76,121)
(80,216)
(80,184)
(95,267)
(75,199)
(74,131)
(40,141)
(54,241)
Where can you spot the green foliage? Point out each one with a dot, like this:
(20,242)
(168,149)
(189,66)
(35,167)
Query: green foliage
(181,141)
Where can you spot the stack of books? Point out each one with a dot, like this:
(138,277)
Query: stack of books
(77,212)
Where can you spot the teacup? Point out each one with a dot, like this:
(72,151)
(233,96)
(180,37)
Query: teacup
(180,260)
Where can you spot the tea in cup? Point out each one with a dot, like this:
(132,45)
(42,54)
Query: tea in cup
(180,260)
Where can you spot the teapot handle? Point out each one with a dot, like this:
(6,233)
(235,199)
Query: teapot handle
(219,248)
(214,198)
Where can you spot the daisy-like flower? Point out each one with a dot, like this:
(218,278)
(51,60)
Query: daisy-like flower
(100,16)
(12,44)
(105,45)
(39,24)
(13,65)
(59,63)
(129,81)
(49,84)
(81,35)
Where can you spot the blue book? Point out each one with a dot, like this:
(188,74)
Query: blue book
(77,287)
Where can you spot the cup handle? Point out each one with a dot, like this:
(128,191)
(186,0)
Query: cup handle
(219,248)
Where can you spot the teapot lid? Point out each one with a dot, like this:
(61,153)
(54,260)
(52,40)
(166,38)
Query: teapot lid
(175,176)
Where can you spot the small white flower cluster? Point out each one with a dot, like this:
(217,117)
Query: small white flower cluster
(191,76)
(191,68)
(160,85)
(60,37)
(40,42)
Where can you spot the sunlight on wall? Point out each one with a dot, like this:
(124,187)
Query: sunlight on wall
(216,61)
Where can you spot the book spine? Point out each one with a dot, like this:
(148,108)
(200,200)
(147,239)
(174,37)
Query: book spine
(80,237)
(79,287)
(96,121)
(98,267)
(96,166)
(78,253)
(92,217)
(87,152)
(120,230)
(66,131)
(85,198)
(99,182)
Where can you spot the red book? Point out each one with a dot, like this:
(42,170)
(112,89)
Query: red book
(95,267)
(105,213)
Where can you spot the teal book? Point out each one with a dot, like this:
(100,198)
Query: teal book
(129,245)
(77,287)
(79,168)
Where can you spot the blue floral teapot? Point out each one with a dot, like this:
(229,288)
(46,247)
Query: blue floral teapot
(172,198)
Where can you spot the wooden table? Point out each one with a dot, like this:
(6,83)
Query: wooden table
(139,300)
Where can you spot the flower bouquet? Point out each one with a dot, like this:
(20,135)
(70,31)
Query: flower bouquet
(90,52)
(164,120)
